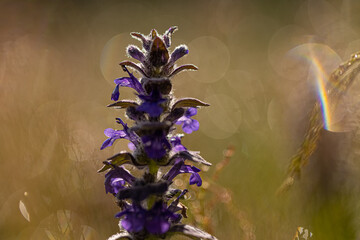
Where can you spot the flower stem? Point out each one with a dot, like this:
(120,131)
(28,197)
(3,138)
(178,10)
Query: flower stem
(153,170)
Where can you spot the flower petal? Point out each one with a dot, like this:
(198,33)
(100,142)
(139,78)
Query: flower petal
(134,222)
(124,82)
(115,94)
(131,146)
(157,225)
(107,143)
(131,82)
(195,125)
(187,128)
(174,171)
(191,112)
(113,184)
(109,132)
(176,144)
(195,179)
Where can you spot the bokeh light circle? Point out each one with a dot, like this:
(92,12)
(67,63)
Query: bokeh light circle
(283,40)
(249,90)
(112,54)
(296,62)
(211,56)
(222,119)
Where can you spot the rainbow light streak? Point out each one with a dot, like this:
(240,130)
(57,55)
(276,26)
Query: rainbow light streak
(321,79)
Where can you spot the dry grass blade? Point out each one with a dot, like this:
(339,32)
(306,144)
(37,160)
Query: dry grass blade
(340,81)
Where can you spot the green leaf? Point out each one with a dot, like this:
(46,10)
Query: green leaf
(123,104)
(118,159)
(189,102)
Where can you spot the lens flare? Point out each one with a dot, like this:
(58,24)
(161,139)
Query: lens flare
(321,80)
(321,60)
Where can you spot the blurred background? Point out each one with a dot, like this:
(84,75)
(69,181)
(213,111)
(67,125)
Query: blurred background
(256,60)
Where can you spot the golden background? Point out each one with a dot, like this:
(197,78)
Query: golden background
(58,60)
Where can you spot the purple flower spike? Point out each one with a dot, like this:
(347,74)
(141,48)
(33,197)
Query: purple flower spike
(189,125)
(112,136)
(150,205)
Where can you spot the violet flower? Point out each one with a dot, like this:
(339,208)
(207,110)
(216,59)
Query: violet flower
(156,144)
(112,136)
(158,217)
(155,221)
(181,167)
(189,125)
(135,217)
(152,104)
(176,143)
(130,135)
(115,179)
(131,81)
